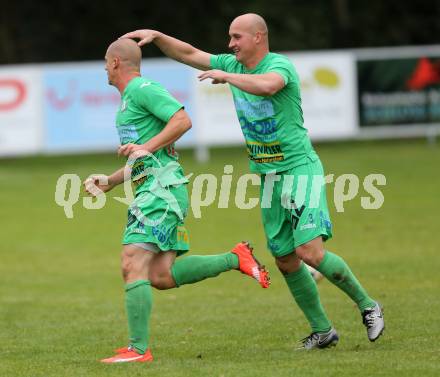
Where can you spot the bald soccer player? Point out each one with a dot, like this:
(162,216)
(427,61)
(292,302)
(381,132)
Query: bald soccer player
(266,92)
(151,120)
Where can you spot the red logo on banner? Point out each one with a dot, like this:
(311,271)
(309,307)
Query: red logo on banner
(20,93)
(62,103)
(426,73)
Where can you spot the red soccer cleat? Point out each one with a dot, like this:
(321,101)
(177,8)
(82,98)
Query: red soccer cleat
(249,265)
(130,356)
(123,349)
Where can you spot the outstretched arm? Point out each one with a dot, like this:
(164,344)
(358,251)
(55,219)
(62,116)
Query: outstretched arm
(266,84)
(174,129)
(173,48)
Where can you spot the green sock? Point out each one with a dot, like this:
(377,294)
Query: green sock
(138,303)
(305,292)
(198,267)
(337,271)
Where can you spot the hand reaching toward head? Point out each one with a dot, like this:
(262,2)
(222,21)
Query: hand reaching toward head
(145,36)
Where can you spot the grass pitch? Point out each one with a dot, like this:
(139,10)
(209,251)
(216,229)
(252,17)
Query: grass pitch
(61,295)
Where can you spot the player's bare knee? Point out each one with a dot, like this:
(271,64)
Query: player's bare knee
(125,265)
(133,264)
(161,284)
(160,272)
(161,281)
(288,263)
(310,254)
(281,264)
(154,280)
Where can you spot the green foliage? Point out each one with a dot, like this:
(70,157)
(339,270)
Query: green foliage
(81,30)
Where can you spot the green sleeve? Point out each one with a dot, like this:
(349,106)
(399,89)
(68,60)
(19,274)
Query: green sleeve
(224,62)
(157,100)
(284,68)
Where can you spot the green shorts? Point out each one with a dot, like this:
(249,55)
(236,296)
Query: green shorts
(158,218)
(296,212)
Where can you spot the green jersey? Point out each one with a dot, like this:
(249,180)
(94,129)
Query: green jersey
(146,107)
(272,126)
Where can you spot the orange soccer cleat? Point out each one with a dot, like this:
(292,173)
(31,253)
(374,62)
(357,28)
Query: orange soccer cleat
(249,265)
(123,349)
(128,355)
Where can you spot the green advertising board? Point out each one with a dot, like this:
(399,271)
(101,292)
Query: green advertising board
(399,91)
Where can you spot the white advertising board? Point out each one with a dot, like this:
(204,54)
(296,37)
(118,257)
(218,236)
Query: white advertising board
(20,111)
(328,98)
(328,93)
(216,120)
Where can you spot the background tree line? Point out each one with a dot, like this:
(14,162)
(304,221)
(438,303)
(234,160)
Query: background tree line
(52,31)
